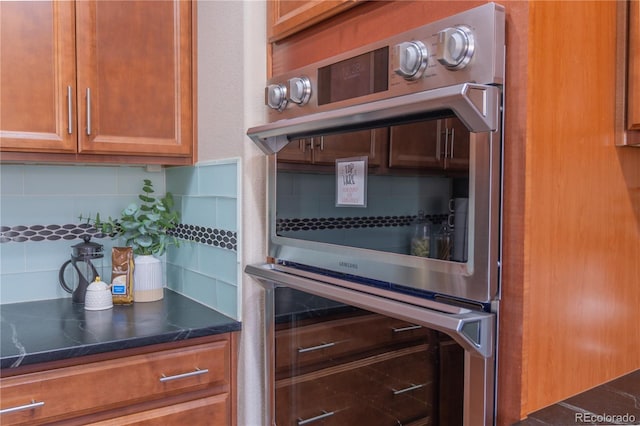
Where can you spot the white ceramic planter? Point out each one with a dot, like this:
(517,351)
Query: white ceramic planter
(147,279)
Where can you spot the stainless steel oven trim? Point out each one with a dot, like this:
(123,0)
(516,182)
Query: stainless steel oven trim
(437,315)
(479,393)
(477,106)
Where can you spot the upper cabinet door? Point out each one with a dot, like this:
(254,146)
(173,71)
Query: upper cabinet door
(368,143)
(628,73)
(633,111)
(287,17)
(457,145)
(417,145)
(134,77)
(37,76)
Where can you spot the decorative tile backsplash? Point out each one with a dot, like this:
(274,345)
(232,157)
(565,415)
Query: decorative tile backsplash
(207,267)
(72,231)
(40,207)
(313,224)
(206,235)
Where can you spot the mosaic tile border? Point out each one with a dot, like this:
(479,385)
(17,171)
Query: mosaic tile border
(71,231)
(209,236)
(314,224)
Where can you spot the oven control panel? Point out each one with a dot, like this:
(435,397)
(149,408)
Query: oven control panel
(464,48)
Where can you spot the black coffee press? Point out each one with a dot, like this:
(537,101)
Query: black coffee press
(83,269)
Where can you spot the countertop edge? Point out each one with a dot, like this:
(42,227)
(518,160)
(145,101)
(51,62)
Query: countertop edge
(56,331)
(113,346)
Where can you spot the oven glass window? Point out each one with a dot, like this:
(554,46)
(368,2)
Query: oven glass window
(410,186)
(355,367)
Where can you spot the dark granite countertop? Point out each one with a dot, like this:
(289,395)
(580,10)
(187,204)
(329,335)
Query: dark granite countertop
(52,330)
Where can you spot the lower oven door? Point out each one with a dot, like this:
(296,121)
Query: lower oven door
(342,355)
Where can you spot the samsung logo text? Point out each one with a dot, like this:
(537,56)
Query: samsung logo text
(348,265)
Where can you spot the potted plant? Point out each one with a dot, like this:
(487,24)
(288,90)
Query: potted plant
(145,227)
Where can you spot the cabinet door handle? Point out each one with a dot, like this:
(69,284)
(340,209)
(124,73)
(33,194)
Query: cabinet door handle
(408,389)
(324,415)
(69,111)
(88,112)
(453,135)
(316,348)
(408,328)
(33,404)
(196,372)
(446,142)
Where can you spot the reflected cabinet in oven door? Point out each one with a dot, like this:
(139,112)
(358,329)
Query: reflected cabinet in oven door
(436,144)
(325,150)
(347,366)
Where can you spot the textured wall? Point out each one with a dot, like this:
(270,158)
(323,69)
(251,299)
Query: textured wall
(231,76)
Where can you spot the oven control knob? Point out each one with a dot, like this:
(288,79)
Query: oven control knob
(456,46)
(275,96)
(410,59)
(299,90)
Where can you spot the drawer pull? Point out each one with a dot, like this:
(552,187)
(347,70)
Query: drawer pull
(33,404)
(409,328)
(324,415)
(196,372)
(315,348)
(410,388)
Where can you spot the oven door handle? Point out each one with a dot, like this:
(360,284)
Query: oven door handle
(473,330)
(476,105)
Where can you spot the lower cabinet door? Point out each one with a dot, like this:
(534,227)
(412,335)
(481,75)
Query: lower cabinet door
(211,411)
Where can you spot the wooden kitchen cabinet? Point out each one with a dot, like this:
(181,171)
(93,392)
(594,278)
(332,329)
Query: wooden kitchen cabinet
(287,17)
(633,110)
(104,81)
(164,385)
(324,150)
(37,72)
(628,73)
(416,145)
(297,151)
(213,409)
(433,144)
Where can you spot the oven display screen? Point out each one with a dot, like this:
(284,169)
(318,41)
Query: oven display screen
(362,75)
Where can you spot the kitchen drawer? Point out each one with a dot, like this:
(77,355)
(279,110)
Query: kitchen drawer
(332,340)
(215,409)
(394,388)
(100,386)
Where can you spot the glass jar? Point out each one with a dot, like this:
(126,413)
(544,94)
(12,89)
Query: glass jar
(421,239)
(442,242)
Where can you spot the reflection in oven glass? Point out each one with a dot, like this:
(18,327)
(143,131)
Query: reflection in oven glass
(339,365)
(415,172)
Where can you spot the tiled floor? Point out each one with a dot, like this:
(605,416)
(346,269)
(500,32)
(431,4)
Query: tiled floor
(614,403)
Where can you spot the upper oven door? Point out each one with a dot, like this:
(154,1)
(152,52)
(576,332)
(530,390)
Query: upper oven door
(403,191)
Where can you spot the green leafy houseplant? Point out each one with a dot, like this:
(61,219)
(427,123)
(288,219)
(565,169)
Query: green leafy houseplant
(144,226)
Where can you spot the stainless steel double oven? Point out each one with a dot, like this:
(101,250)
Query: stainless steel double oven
(384,201)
